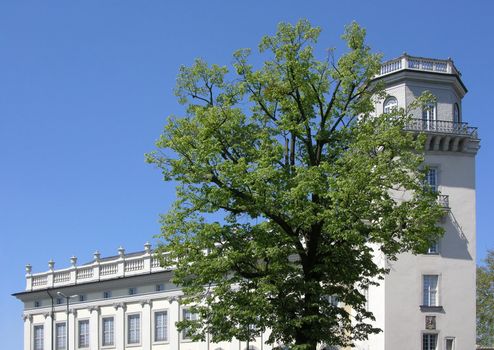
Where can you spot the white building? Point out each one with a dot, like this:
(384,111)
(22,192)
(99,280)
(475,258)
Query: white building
(426,302)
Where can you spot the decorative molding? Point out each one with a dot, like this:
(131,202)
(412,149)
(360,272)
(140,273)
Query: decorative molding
(145,302)
(94,308)
(27,317)
(73,311)
(173,298)
(430,322)
(122,305)
(48,314)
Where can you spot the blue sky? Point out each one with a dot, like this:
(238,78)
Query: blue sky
(85,87)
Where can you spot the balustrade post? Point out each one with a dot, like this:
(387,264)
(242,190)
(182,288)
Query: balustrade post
(51,272)
(29,277)
(96,265)
(121,262)
(147,257)
(404,61)
(73,270)
(449,66)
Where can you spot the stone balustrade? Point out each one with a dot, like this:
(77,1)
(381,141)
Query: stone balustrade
(418,63)
(99,269)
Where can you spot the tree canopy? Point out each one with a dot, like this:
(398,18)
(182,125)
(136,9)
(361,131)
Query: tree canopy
(288,185)
(485,301)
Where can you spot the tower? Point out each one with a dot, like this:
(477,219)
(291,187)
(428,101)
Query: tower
(428,301)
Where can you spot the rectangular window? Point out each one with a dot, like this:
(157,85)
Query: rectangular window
(449,343)
(38,337)
(108,334)
(430,290)
(107,295)
(37,303)
(187,315)
(431,179)
(429,341)
(133,329)
(433,249)
(59,301)
(429,117)
(60,336)
(82,297)
(160,326)
(159,287)
(132,291)
(84,334)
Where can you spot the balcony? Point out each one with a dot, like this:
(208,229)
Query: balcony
(418,64)
(443,201)
(446,136)
(442,127)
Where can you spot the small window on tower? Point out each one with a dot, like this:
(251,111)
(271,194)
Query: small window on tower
(431,179)
(390,104)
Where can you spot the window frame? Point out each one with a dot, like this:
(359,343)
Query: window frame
(57,324)
(424,334)
(159,287)
(107,294)
(435,251)
(435,169)
(167,326)
(453,339)
(428,119)
(102,332)
(424,293)
(127,329)
(389,99)
(79,321)
(132,291)
(42,327)
(183,335)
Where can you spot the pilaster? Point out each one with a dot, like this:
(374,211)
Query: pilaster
(146,324)
(120,326)
(72,330)
(174,318)
(48,330)
(28,323)
(94,328)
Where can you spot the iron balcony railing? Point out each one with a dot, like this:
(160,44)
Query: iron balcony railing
(442,127)
(443,200)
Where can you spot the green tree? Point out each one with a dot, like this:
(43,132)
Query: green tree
(485,301)
(287,187)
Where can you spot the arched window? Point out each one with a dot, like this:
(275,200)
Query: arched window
(456,113)
(390,103)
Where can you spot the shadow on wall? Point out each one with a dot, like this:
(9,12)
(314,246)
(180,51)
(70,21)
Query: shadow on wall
(454,244)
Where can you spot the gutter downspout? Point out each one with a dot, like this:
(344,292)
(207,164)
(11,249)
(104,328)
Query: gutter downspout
(52,317)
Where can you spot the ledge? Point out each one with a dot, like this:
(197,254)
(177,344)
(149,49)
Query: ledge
(426,308)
